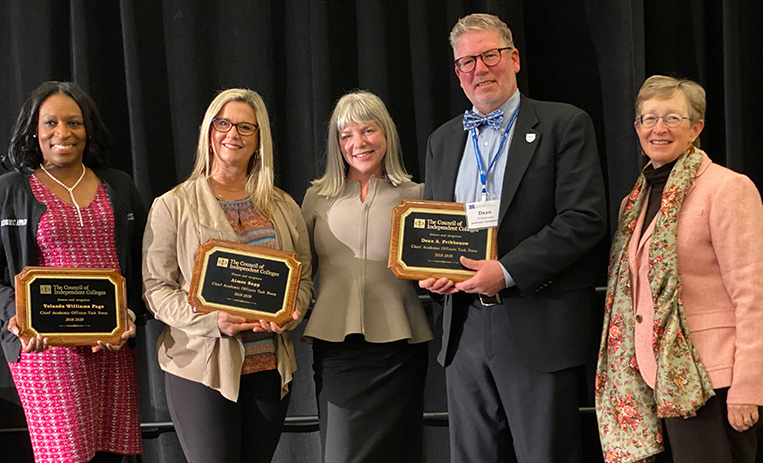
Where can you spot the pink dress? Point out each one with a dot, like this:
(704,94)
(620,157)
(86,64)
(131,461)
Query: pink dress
(77,402)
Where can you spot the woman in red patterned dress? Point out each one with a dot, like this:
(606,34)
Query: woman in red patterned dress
(62,208)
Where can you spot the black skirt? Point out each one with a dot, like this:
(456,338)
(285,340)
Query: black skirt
(370,399)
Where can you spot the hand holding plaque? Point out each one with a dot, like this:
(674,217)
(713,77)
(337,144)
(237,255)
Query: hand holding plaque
(71,306)
(429,237)
(248,281)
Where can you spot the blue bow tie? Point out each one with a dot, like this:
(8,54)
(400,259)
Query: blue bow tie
(472,120)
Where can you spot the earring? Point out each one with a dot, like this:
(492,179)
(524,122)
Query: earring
(34,136)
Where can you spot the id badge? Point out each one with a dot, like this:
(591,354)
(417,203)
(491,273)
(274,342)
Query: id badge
(482,214)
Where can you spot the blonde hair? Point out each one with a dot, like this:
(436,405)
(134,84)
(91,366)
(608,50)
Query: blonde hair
(664,87)
(480,22)
(359,106)
(259,182)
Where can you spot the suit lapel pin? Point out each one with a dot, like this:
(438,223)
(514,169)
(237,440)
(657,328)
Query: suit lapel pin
(530,137)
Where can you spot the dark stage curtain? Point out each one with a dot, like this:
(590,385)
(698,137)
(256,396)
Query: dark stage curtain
(153,66)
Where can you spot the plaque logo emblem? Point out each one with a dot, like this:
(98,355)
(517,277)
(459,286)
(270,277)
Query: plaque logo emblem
(46,289)
(222,262)
(419,223)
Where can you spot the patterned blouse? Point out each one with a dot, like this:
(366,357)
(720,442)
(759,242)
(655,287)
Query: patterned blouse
(253,228)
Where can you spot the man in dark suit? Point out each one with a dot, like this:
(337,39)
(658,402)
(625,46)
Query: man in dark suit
(515,333)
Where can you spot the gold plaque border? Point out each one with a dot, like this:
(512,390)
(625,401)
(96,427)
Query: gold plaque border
(24,310)
(281,317)
(404,271)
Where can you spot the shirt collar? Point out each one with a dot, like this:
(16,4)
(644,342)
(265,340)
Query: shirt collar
(508,107)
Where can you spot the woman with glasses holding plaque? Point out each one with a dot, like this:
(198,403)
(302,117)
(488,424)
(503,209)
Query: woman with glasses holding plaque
(227,380)
(62,207)
(681,358)
(368,328)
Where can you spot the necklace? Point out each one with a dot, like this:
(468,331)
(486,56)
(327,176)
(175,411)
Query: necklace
(70,190)
(218,189)
(219,186)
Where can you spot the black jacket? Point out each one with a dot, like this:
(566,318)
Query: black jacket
(20,214)
(552,214)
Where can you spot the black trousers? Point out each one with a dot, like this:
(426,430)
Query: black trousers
(212,429)
(500,409)
(370,400)
(708,437)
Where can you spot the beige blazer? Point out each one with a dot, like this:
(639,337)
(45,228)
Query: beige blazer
(720,258)
(357,293)
(191,346)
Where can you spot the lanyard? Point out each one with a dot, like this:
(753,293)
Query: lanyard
(480,166)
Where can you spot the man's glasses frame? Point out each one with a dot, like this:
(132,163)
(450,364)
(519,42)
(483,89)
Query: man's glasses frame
(490,57)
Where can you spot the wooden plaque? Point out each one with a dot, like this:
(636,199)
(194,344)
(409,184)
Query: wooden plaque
(248,281)
(429,237)
(71,306)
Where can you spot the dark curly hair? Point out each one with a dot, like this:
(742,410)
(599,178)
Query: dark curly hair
(24,152)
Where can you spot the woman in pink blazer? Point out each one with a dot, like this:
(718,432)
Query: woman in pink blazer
(681,358)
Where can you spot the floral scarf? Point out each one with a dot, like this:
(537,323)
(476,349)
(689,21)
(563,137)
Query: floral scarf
(628,410)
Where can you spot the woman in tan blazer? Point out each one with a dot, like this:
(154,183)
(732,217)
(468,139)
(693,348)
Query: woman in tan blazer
(226,379)
(681,359)
(368,328)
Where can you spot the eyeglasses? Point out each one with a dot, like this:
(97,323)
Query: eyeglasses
(243,128)
(490,58)
(671,120)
